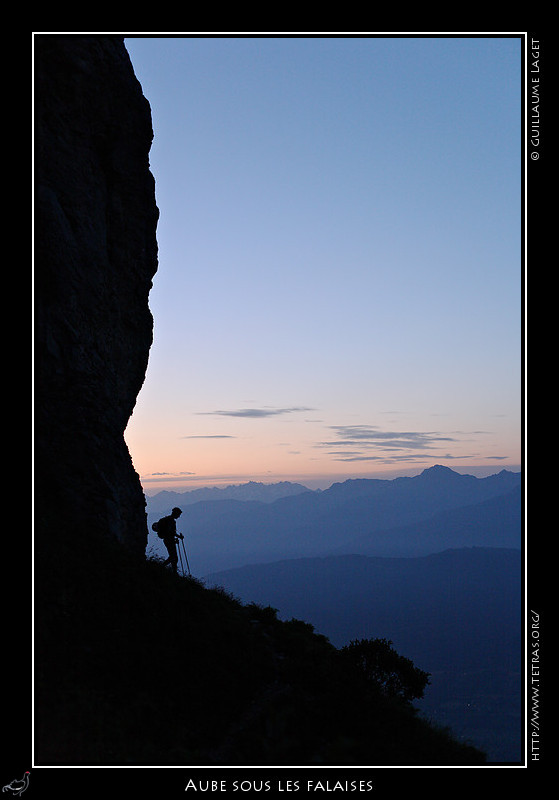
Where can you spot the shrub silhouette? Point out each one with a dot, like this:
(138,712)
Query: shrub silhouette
(377,661)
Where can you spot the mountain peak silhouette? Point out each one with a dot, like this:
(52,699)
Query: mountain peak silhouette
(439,471)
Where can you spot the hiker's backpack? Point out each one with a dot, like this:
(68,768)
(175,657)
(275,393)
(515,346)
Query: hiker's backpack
(163,527)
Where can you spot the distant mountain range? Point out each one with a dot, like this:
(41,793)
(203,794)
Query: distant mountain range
(430,512)
(253,490)
(457,614)
(494,522)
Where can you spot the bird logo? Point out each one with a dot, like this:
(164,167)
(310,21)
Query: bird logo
(17,787)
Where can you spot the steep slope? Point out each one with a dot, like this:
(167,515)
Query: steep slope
(457,614)
(452,608)
(139,667)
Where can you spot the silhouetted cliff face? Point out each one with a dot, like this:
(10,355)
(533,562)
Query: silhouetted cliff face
(95,257)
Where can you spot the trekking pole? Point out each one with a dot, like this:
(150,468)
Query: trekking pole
(180,558)
(185,556)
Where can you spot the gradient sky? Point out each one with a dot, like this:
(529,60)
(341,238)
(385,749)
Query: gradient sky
(340,258)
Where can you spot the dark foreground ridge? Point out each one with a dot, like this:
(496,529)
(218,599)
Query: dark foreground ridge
(137,666)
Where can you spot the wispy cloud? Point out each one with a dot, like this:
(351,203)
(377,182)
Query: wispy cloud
(256,413)
(210,436)
(387,459)
(371,443)
(167,474)
(367,436)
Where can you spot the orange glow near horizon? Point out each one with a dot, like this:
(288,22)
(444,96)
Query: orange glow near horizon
(183,463)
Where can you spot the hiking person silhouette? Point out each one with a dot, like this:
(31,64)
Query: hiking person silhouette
(167,530)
